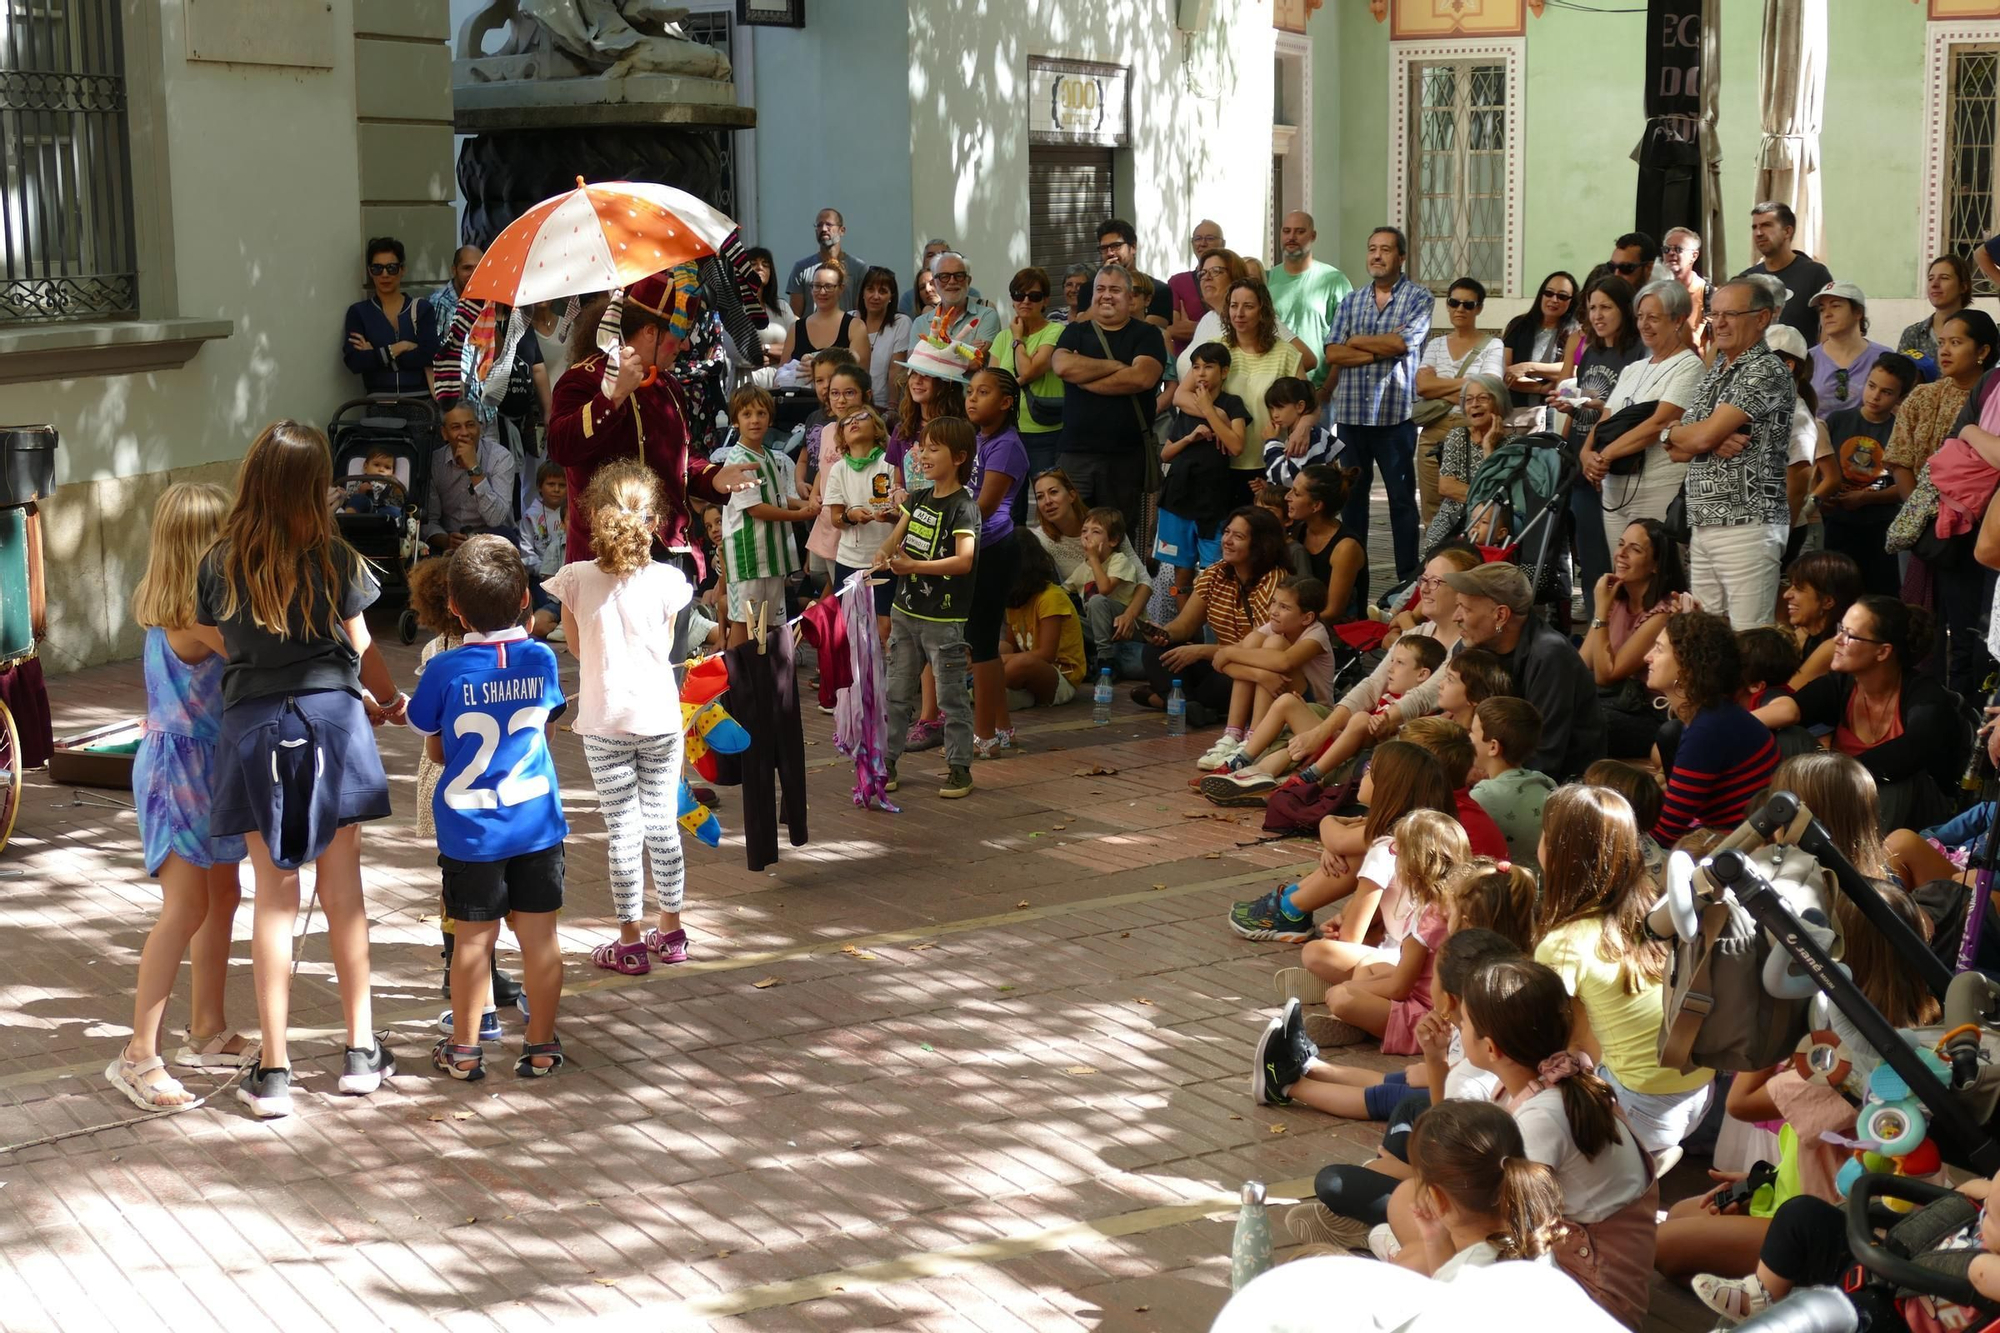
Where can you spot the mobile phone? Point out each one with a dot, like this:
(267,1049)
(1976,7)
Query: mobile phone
(1740,1192)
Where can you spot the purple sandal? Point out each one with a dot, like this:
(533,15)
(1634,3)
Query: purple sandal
(672,947)
(630,959)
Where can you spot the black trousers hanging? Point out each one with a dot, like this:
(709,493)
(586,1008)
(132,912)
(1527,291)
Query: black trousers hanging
(764,697)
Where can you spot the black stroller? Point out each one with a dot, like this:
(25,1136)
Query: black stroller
(381,516)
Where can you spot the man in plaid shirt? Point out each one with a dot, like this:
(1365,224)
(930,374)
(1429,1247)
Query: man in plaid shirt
(1372,351)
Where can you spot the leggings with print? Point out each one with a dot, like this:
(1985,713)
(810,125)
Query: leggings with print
(638,788)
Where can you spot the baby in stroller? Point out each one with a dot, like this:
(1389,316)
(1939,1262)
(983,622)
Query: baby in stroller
(376,490)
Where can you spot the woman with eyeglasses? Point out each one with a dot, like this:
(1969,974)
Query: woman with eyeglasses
(390,338)
(826,324)
(1904,727)
(888,331)
(1214,274)
(1026,349)
(1948,287)
(1450,358)
(1845,354)
(1666,377)
(1539,339)
(1482,416)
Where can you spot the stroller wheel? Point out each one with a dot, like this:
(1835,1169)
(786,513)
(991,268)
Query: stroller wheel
(406,626)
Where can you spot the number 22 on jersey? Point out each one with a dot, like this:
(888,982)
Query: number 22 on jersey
(513,789)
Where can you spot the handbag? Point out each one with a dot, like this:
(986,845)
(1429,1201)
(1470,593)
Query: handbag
(1679,531)
(1622,423)
(1429,411)
(1043,409)
(1915,519)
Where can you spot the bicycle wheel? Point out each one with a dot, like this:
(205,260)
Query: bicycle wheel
(10,774)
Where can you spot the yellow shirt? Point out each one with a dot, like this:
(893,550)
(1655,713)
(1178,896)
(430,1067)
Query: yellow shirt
(1250,373)
(1025,621)
(1627,1026)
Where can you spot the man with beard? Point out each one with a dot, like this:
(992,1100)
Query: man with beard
(1305,291)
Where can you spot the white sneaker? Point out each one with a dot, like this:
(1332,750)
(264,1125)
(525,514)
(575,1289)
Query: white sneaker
(1220,753)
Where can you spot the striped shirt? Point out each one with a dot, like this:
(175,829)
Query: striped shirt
(757,548)
(1725,757)
(1380,393)
(1231,612)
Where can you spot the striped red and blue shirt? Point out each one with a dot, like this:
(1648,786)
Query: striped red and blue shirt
(1726,756)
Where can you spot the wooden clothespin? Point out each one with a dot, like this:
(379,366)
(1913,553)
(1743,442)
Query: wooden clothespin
(763,623)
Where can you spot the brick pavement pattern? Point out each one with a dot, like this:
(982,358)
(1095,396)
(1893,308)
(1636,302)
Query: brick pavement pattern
(898,1072)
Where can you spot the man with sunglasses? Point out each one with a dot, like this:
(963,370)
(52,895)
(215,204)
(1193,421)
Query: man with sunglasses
(958,314)
(1679,255)
(1633,258)
(390,339)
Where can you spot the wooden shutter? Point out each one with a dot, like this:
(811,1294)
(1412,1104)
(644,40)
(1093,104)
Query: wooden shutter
(1069,195)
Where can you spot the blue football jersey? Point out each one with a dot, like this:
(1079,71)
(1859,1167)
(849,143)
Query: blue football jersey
(488,701)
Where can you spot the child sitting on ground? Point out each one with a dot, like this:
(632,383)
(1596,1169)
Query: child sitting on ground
(1642,792)
(1351,1199)
(1387,997)
(1252,771)
(1204,433)
(1290,652)
(1288,400)
(545,542)
(1041,640)
(1107,582)
(1770,659)
(503,858)
(758,550)
(1479,1199)
(1505,731)
(1451,745)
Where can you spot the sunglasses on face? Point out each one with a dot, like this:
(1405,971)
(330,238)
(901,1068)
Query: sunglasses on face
(1548,295)
(1675,251)
(384,270)
(1623,270)
(1840,382)
(953,279)
(1457,304)
(1028,296)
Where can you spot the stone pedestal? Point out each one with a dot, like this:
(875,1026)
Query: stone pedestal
(530,139)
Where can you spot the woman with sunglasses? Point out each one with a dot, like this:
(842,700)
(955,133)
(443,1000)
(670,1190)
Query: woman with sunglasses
(1450,358)
(1538,341)
(826,324)
(390,338)
(1904,728)
(1845,354)
(1026,348)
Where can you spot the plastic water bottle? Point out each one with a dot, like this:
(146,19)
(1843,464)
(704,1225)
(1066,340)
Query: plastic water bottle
(1100,699)
(1176,711)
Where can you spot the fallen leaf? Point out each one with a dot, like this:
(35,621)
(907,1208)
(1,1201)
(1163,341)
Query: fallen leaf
(472,1219)
(1023,905)
(1035,835)
(723,1254)
(1159,886)
(1006,988)
(436,1118)
(1124,934)
(765,984)
(927,1046)
(1080,1070)
(857,953)
(1141,1309)
(1096,771)
(1142,1000)
(462,1115)
(1277,1129)
(1058,827)
(1213,856)
(606,1281)
(1235,1117)
(927,944)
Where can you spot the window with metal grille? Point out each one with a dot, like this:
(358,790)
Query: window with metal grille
(1972,93)
(67,250)
(1458,173)
(712,28)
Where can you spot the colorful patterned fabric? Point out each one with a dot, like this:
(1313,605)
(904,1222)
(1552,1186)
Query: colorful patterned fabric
(861,715)
(170,770)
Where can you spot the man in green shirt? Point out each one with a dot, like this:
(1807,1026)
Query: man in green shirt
(1305,291)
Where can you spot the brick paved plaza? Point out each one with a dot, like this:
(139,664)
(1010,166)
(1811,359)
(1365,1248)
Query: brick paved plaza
(981,1065)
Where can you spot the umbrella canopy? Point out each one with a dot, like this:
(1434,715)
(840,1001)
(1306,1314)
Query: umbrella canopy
(595,238)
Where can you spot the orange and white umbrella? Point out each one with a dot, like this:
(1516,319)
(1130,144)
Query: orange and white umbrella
(595,238)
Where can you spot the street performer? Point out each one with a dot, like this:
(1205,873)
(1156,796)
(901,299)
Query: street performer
(589,427)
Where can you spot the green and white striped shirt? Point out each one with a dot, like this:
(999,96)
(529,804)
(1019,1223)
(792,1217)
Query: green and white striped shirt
(755,548)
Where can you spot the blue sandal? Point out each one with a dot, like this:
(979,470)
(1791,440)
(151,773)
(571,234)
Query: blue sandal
(448,1057)
(526,1067)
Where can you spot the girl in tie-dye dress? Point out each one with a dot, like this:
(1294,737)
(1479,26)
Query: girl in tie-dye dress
(199,889)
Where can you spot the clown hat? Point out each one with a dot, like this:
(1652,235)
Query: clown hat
(942,361)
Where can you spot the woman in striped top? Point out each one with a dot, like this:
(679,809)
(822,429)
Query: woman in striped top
(1725,755)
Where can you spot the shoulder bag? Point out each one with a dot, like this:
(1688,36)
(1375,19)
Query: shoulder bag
(1043,409)
(1431,410)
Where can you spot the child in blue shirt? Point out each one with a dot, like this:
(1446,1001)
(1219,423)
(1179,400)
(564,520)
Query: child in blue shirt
(483,707)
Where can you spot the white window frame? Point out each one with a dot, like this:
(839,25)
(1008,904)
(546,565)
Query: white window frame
(1512,52)
(1295,51)
(1939,41)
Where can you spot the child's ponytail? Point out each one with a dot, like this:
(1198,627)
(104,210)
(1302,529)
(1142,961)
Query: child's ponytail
(1531,1202)
(624,507)
(1522,1008)
(1473,1154)
(1484,894)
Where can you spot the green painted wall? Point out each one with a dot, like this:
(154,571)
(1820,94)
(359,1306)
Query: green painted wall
(1583,113)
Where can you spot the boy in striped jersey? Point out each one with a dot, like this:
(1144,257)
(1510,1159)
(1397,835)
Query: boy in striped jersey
(758,549)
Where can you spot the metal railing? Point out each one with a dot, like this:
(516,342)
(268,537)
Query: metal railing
(67,249)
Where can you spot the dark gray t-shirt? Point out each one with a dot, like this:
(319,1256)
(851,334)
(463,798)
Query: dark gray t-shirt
(306,658)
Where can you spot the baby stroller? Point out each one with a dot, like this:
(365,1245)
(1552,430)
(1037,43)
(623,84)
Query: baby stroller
(380,517)
(1516,508)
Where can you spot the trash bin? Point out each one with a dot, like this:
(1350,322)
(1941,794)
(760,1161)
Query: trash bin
(27,464)
(17,634)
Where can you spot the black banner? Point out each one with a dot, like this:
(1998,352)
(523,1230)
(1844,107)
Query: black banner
(1673,58)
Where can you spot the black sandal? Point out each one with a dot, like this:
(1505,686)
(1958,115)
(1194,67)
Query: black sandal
(446,1056)
(526,1067)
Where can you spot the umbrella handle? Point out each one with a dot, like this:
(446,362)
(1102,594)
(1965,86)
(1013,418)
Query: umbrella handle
(652,377)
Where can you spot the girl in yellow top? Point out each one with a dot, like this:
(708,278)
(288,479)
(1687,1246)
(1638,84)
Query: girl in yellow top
(1041,649)
(1595,893)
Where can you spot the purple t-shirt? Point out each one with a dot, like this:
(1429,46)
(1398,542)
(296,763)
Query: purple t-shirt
(1003,452)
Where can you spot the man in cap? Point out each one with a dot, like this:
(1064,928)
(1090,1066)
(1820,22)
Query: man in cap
(1496,612)
(591,425)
